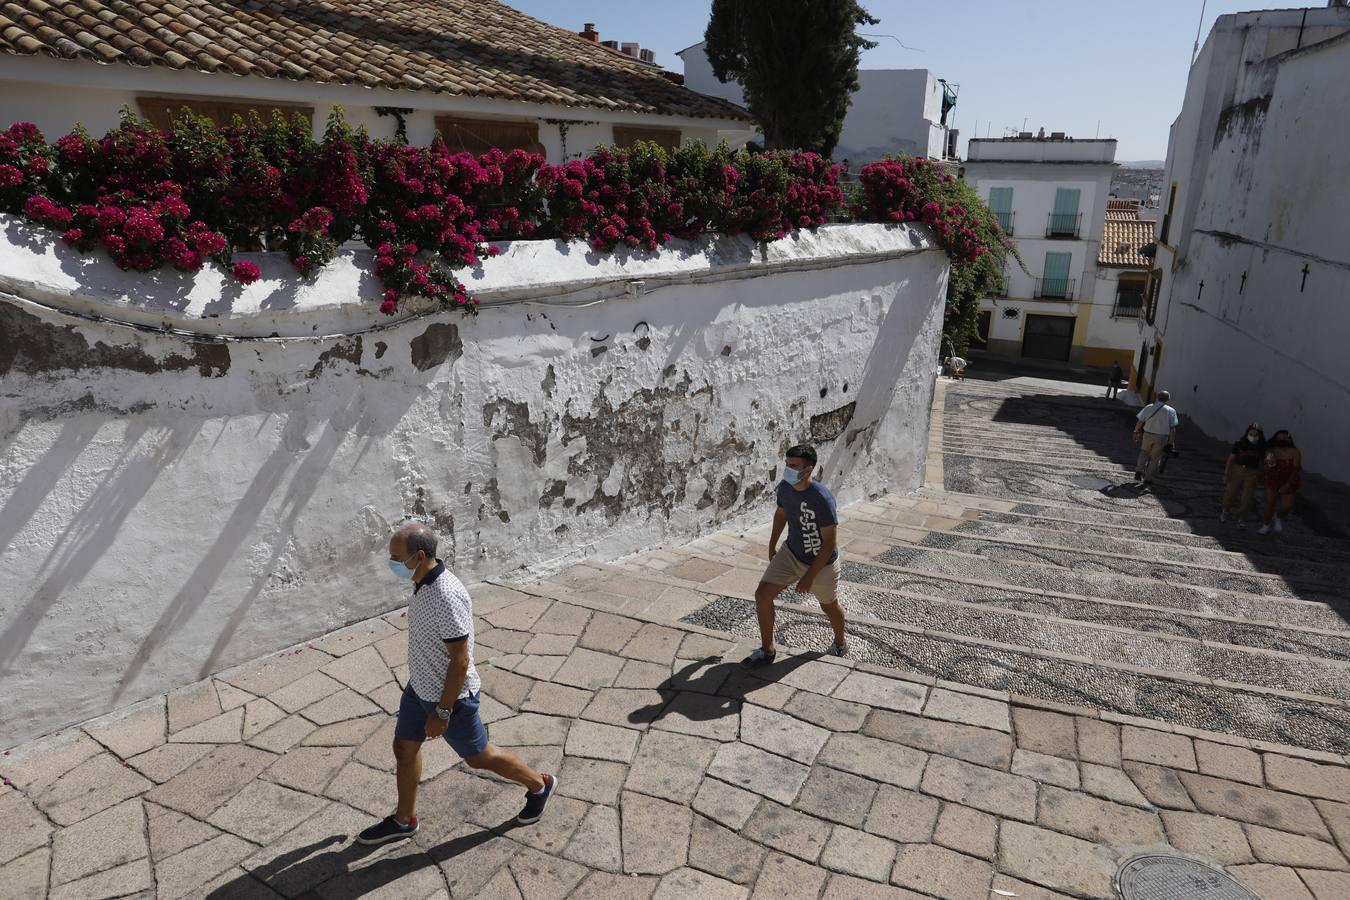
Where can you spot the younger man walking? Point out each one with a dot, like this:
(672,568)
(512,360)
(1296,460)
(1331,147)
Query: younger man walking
(441,698)
(810,558)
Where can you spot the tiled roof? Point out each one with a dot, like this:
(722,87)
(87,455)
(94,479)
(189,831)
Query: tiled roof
(478,48)
(1125,203)
(1121,242)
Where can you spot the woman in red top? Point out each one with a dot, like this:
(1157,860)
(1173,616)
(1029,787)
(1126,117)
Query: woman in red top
(1284,476)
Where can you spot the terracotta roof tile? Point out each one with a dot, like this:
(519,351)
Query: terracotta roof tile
(1121,242)
(472,47)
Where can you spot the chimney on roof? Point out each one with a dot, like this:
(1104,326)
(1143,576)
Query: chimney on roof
(613,45)
(589,32)
(1040,135)
(1056,135)
(647,56)
(630,48)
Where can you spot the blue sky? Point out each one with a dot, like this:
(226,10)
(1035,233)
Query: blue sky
(1063,64)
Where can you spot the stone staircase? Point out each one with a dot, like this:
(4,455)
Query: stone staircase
(1031,564)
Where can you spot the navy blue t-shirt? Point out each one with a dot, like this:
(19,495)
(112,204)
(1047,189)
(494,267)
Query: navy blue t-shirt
(807,511)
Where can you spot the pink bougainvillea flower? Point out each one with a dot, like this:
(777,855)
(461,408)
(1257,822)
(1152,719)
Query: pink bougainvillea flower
(246,272)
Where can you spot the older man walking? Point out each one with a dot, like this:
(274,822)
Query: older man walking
(1156,424)
(441,697)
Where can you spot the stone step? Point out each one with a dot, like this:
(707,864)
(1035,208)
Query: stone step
(1219,537)
(1300,580)
(1097,500)
(1276,657)
(1295,542)
(1216,558)
(1128,690)
(1209,627)
(1141,590)
(1127,643)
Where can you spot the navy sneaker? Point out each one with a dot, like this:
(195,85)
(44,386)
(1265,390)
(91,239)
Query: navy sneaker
(535,803)
(388,829)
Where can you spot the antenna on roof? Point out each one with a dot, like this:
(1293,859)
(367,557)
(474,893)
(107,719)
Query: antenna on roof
(1195,51)
(892,37)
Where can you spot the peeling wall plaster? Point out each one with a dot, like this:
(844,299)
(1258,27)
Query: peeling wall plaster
(170,506)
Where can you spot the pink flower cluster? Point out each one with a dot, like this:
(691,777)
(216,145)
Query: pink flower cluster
(199,192)
(912,189)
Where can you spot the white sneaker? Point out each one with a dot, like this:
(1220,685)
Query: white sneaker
(839,649)
(1278,526)
(1264,529)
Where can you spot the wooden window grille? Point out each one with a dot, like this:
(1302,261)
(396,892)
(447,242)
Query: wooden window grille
(626,136)
(481,135)
(161,111)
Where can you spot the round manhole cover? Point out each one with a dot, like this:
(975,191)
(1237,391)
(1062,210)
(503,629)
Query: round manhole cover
(1175,878)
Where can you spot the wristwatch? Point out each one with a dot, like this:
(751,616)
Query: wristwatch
(443,713)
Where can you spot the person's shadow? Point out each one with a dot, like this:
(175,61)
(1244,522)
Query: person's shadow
(300,870)
(712,688)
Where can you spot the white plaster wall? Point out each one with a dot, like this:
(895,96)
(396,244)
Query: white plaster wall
(1103,331)
(1273,348)
(698,76)
(893,111)
(170,506)
(57,94)
(1092,150)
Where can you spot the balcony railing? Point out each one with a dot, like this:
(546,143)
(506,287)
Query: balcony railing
(1005,220)
(1063,225)
(1129,305)
(1055,288)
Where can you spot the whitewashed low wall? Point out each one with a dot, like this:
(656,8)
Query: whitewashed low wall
(193,473)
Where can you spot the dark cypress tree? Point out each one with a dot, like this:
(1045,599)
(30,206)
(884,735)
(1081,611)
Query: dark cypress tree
(798,62)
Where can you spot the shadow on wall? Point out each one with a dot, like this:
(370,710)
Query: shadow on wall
(893,351)
(144,452)
(93,528)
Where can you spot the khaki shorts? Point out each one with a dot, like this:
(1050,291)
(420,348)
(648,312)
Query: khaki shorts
(786,569)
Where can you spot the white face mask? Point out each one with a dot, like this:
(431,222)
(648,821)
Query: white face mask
(791,475)
(1253,438)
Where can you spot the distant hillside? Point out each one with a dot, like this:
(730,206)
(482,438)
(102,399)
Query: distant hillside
(1145,164)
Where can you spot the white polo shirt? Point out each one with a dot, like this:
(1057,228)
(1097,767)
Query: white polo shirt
(440,612)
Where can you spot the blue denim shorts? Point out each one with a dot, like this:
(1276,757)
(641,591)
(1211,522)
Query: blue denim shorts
(465,732)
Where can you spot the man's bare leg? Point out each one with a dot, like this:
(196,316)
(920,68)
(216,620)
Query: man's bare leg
(764,612)
(835,613)
(508,765)
(408,758)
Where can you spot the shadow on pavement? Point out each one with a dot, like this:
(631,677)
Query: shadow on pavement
(710,688)
(301,869)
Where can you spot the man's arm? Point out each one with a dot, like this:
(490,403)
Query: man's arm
(779,523)
(828,538)
(458,651)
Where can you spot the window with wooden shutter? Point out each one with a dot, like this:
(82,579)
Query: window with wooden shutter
(627,136)
(481,135)
(161,111)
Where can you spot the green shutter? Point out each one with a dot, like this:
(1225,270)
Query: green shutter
(1000,203)
(1066,201)
(1055,275)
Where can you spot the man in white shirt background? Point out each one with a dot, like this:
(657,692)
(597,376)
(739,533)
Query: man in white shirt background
(1155,427)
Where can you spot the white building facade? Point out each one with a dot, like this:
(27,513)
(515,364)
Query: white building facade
(562,93)
(894,111)
(1250,319)
(1050,195)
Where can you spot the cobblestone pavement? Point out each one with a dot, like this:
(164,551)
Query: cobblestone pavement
(994,734)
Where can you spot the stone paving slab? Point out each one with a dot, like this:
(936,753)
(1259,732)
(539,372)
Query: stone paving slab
(737,786)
